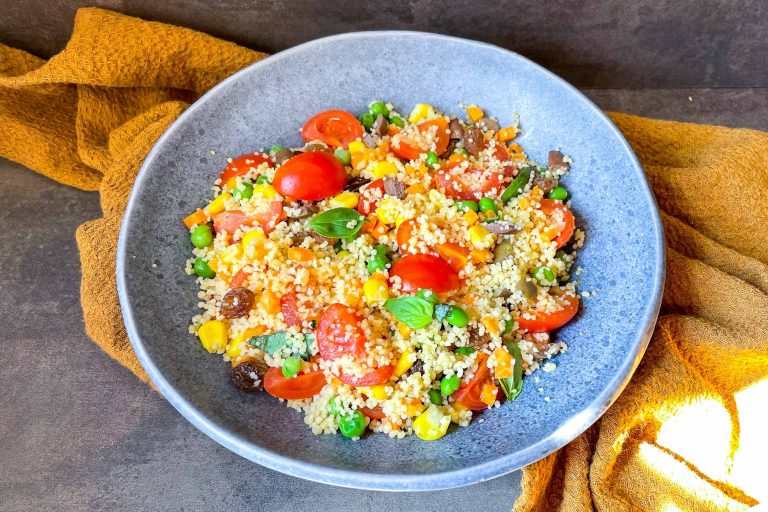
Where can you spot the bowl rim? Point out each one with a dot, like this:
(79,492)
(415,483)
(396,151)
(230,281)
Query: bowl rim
(565,433)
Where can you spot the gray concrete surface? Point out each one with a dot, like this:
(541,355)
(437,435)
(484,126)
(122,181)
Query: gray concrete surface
(79,432)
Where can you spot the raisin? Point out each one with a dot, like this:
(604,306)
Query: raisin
(242,375)
(237,303)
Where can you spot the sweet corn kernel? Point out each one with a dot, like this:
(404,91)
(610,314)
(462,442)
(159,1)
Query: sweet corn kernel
(431,424)
(379,392)
(343,253)
(405,362)
(213,335)
(404,330)
(414,408)
(217,205)
(264,190)
(375,291)
(400,219)
(388,210)
(231,254)
(480,237)
(345,199)
(475,113)
(250,238)
(356,146)
(470,217)
(420,112)
(384,168)
(237,346)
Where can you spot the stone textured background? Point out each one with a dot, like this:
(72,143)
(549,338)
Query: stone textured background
(79,432)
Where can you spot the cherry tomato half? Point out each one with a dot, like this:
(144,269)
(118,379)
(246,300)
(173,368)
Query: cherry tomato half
(370,195)
(545,322)
(304,385)
(336,128)
(242,164)
(239,279)
(417,271)
(338,332)
(310,176)
(405,233)
(569,223)
(271,216)
(469,185)
(469,392)
(230,221)
(289,308)
(409,152)
(378,376)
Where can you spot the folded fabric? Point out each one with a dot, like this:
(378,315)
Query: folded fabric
(688,433)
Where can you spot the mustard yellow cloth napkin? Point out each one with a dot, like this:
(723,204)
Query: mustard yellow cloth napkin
(689,431)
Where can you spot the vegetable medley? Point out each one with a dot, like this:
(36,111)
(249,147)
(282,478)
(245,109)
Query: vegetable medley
(395,273)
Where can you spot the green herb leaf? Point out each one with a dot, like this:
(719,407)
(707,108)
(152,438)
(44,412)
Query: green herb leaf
(464,351)
(442,311)
(309,338)
(512,386)
(414,312)
(334,223)
(517,184)
(269,343)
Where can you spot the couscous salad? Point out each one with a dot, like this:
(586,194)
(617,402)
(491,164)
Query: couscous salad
(396,273)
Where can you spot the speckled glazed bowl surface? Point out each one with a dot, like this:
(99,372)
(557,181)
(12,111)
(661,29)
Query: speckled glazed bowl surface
(266,104)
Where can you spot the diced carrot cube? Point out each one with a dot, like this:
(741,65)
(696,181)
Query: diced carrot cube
(300,254)
(507,134)
(503,367)
(194,218)
(454,254)
(488,394)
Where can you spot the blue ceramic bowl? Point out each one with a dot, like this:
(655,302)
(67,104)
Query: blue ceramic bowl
(266,104)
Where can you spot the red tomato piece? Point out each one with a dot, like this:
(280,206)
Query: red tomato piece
(230,221)
(469,392)
(271,216)
(304,385)
(378,376)
(375,414)
(242,164)
(408,151)
(470,185)
(310,176)
(569,222)
(405,233)
(545,322)
(239,279)
(338,332)
(370,195)
(418,271)
(289,308)
(336,128)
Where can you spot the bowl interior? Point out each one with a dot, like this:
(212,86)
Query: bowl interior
(266,104)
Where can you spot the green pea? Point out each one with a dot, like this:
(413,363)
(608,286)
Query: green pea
(243,190)
(262,179)
(457,316)
(558,193)
(517,184)
(379,260)
(467,205)
(465,351)
(544,276)
(352,425)
(378,108)
(435,397)
(429,296)
(201,236)
(274,149)
(344,156)
(291,366)
(202,269)
(432,159)
(462,151)
(488,205)
(367,120)
(334,406)
(397,121)
(448,385)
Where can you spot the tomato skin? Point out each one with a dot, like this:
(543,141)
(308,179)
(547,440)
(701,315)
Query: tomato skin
(380,375)
(569,222)
(409,152)
(240,278)
(545,322)
(370,195)
(310,176)
(405,233)
(338,332)
(375,414)
(270,217)
(242,164)
(336,128)
(304,385)
(470,185)
(468,393)
(421,271)
(289,309)
(230,221)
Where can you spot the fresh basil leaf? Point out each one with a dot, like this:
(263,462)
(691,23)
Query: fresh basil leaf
(512,386)
(414,312)
(441,311)
(269,343)
(336,222)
